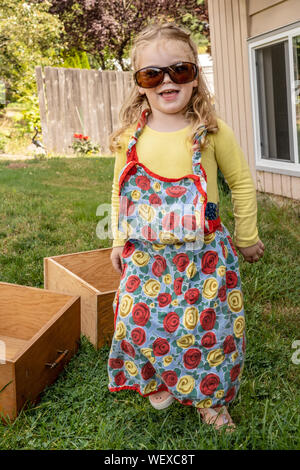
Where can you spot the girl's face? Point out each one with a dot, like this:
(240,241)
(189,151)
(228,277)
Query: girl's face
(163,54)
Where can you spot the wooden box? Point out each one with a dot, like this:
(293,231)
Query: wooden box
(39,333)
(91,275)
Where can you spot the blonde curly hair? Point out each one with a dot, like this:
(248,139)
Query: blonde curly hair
(200,109)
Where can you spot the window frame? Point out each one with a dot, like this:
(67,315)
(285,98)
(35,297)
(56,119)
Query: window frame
(255,43)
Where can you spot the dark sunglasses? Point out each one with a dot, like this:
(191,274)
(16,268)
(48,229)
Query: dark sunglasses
(151,77)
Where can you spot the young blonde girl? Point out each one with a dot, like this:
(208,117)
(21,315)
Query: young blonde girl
(179,313)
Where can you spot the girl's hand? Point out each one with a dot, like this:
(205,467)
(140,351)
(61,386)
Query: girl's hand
(116,258)
(253,253)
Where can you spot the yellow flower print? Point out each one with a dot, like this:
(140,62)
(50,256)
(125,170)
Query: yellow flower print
(167,360)
(206,403)
(219,394)
(215,357)
(235,300)
(178,245)
(158,246)
(167,279)
(150,387)
(120,332)
(234,356)
(225,251)
(186,341)
(140,258)
(168,238)
(191,318)
(174,302)
(131,368)
(209,237)
(146,212)
(152,304)
(191,270)
(221,271)
(127,229)
(156,186)
(239,326)
(126,305)
(185,384)
(135,194)
(210,288)
(189,237)
(151,288)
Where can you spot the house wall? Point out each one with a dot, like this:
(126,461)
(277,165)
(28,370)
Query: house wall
(232,22)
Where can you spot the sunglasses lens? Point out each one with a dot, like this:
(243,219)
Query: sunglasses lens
(149,77)
(183,73)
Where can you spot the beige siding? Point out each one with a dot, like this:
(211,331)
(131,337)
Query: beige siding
(232,22)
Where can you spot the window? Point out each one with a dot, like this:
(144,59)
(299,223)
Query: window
(275,87)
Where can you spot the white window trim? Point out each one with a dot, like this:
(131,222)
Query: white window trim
(287,168)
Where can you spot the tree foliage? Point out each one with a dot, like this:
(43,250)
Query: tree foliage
(29,36)
(105,28)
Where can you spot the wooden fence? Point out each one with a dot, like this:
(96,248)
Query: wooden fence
(79,101)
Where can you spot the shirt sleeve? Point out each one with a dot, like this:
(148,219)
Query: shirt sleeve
(233,165)
(120,161)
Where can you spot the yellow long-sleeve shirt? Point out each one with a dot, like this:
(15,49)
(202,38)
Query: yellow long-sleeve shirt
(169,154)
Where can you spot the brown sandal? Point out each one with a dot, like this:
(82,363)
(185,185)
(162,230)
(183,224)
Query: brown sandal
(217,418)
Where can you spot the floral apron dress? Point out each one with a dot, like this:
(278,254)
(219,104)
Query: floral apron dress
(178,311)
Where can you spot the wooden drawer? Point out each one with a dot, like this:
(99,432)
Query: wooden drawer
(91,275)
(39,333)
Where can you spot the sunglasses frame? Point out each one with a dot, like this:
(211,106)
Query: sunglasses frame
(167,70)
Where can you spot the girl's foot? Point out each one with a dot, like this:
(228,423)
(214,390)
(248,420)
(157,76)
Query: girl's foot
(161,400)
(218,417)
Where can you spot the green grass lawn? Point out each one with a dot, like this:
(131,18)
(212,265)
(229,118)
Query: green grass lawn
(48,207)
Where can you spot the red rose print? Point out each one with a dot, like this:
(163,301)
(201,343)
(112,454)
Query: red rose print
(170,378)
(138,336)
(230,394)
(171,322)
(126,206)
(209,384)
(234,372)
(195,200)
(159,265)
(154,200)
(176,191)
(222,293)
(132,283)
(181,260)
(189,222)
(186,402)
(208,340)
(192,295)
(148,233)
(147,371)
(120,378)
(170,221)
(116,363)
(128,348)
(130,172)
(160,347)
(232,245)
(177,285)
(192,358)
(124,270)
(142,182)
(229,344)
(140,314)
(164,299)
(244,343)
(223,249)
(231,279)
(209,262)
(128,249)
(208,319)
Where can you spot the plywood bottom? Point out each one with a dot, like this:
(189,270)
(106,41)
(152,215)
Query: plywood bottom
(12,346)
